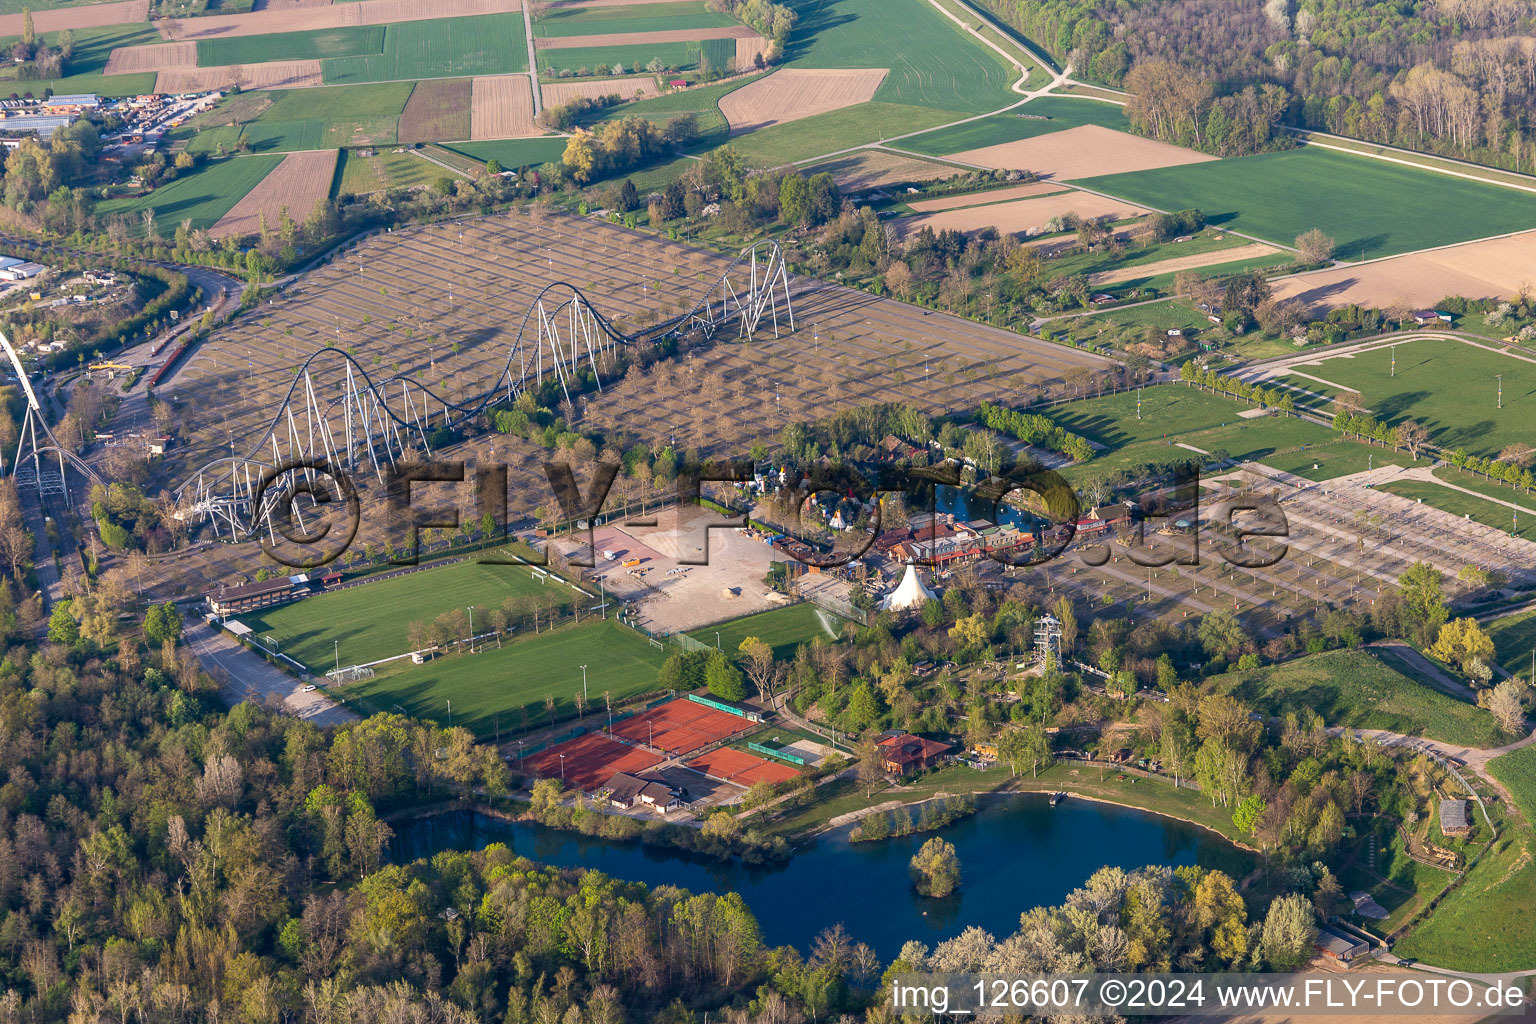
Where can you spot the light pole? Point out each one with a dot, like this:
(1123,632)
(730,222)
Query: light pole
(583,684)
(562,769)
(1394,360)
(337,644)
(1500,376)
(450,714)
(717,639)
(471,625)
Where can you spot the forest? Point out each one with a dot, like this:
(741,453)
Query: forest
(1456,77)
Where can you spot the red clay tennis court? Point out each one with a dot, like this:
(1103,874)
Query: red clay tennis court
(590,761)
(741,767)
(679,726)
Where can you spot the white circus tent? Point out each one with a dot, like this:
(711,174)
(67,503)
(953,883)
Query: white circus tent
(911,593)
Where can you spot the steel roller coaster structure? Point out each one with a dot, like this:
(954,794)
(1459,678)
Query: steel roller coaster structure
(334,416)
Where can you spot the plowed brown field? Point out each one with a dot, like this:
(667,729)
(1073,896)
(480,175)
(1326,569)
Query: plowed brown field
(128,60)
(1082,153)
(336,15)
(301,180)
(1022,215)
(682,35)
(560,93)
(502,108)
(1492,268)
(1034,188)
(90,16)
(792,93)
(276,74)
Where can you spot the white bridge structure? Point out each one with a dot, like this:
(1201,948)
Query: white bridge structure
(334,414)
(36,448)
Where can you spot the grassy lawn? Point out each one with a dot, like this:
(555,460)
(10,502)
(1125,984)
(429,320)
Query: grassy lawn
(1448,386)
(1514,638)
(1486,924)
(512,153)
(313,45)
(1368,206)
(371,621)
(1459,504)
(933,63)
(1337,458)
(1037,117)
(663,17)
(682,55)
(202,195)
(271,136)
(1356,690)
(784,629)
(486,44)
(835,130)
(518,677)
(363,174)
(1517,771)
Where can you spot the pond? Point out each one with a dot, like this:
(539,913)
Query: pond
(1016,852)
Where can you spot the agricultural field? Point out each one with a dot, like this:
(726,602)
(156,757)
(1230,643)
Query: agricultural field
(932,62)
(297,186)
(784,629)
(87,67)
(681,54)
(1448,386)
(834,131)
(1369,207)
(303,119)
(512,153)
(361,175)
(370,621)
(490,44)
(313,45)
(1043,116)
(202,195)
(791,94)
(1022,215)
(1358,690)
(1077,152)
(658,17)
(879,168)
(507,682)
(501,107)
(438,111)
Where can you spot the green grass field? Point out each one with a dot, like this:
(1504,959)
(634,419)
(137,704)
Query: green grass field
(84,72)
(384,170)
(1336,458)
(512,153)
(1479,510)
(202,195)
(518,677)
(1448,386)
(1043,116)
(1166,410)
(933,63)
(662,17)
(1369,207)
(270,136)
(682,55)
(1514,638)
(784,629)
(835,130)
(1486,924)
(371,621)
(312,45)
(486,44)
(330,117)
(382,99)
(1357,690)
(1517,771)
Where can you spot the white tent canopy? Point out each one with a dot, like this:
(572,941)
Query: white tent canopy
(911,593)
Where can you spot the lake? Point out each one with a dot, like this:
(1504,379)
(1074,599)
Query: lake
(1016,852)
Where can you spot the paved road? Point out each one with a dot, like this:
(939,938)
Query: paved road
(242,675)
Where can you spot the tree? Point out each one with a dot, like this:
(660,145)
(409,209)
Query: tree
(871,765)
(1412,435)
(1461,641)
(62,627)
(936,868)
(161,623)
(1421,586)
(764,672)
(1507,705)
(1286,939)
(1248,814)
(724,679)
(1314,247)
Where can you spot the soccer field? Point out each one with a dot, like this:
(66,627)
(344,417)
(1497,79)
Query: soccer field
(513,682)
(783,629)
(1369,207)
(1448,386)
(371,621)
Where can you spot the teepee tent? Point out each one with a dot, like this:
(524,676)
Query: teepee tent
(911,593)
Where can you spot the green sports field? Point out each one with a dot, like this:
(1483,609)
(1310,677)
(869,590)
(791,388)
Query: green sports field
(202,195)
(1043,116)
(370,621)
(1369,207)
(933,63)
(662,17)
(485,44)
(1448,386)
(518,677)
(784,629)
(1357,690)
(312,45)
(1336,458)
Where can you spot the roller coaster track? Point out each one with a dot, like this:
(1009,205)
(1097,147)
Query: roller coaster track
(368,426)
(35,440)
